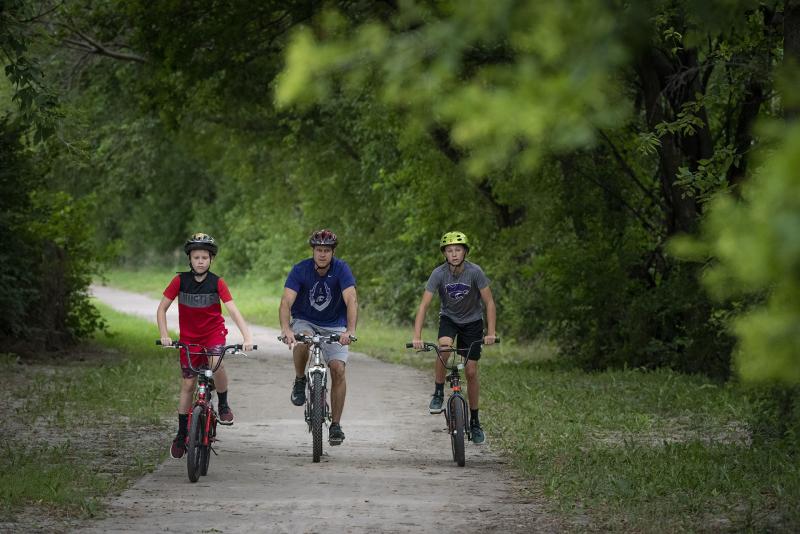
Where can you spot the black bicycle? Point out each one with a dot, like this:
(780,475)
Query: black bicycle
(317,411)
(456,409)
(202,421)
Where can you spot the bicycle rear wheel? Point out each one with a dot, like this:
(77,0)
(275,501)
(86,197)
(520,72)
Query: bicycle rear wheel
(317,414)
(195,445)
(457,426)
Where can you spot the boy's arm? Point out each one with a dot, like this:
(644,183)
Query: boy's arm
(236,315)
(491,315)
(351,301)
(161,319)
(427,296)
(285,315)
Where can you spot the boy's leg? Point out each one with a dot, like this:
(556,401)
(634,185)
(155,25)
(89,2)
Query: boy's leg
(469,338)
(178,447)
(223,408)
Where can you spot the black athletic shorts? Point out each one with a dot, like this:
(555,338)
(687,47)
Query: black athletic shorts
(464,334)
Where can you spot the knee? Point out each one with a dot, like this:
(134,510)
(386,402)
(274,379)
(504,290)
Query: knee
(187,385)
(337,369)
(472,372)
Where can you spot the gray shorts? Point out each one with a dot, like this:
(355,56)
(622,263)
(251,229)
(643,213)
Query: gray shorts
(330,351)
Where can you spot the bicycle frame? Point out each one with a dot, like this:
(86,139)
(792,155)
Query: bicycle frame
(317,410)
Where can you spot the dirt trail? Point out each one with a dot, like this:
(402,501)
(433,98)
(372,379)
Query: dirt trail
(393,473)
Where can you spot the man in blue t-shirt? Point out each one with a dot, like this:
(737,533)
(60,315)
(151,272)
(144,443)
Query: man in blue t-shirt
(319,296)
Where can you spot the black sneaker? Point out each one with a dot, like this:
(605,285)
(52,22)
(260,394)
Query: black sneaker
(335,434)
(299,391)
(436,403)
(225,415)
(178,447)
(478,437)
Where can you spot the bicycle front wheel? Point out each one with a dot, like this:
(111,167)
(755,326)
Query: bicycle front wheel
(317,414)
(194,448)
(457,426)
(205,450)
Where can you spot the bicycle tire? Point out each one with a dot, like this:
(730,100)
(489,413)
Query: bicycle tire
(317,414)
(193,449)
(458,422)
(205,450)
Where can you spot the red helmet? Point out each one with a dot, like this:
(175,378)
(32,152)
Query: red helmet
(200,241)
(323,237)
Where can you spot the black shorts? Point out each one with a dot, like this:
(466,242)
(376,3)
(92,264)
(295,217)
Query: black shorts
(464,334)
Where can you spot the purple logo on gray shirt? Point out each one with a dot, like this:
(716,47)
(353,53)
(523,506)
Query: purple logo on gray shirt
(457,290)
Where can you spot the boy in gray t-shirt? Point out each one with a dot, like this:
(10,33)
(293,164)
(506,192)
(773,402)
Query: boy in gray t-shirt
(464,293)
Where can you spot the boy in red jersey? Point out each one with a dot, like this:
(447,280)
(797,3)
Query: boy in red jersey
(199,293)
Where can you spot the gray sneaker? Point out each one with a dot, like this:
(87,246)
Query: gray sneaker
(436,403)
(478,437)
(299,391)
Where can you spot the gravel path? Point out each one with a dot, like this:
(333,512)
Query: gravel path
(393,473)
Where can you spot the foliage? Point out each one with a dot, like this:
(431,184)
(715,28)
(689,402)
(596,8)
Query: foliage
(755,243)
(569,141)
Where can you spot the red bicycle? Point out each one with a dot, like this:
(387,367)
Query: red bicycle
(202,421)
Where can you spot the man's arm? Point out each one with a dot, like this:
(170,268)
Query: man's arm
(285,315)
(419,320)
(241,323)
(161,319)
(350,298)
(491,315)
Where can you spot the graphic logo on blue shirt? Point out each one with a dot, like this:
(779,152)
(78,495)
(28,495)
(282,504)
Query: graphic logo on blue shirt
(457,290)
(320,296)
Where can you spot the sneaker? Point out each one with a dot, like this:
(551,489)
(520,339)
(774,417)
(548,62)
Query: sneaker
(178,447)
(436,403)
(335,434)
(478,437)
(225,415)
(299,391)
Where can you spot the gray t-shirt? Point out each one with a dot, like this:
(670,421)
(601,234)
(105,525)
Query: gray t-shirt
(460,294)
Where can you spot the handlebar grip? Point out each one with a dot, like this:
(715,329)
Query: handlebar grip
(158,342)
(409,345)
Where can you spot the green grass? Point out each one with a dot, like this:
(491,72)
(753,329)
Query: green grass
(637,451)
(95,418)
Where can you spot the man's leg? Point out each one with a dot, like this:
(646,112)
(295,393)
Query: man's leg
(338,388)
(338,392)
(300,356)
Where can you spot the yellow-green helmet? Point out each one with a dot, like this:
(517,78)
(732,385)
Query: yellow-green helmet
(454,238)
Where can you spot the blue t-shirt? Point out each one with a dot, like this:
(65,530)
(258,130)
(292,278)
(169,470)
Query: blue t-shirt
(319,298)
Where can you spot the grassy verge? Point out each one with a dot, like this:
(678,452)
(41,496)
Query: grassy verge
(634,451)
(614,451)
(83,424)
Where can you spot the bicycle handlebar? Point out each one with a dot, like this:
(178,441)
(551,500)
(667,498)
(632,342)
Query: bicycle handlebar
(426,346)
(303,338)
(176,344)
(232,349)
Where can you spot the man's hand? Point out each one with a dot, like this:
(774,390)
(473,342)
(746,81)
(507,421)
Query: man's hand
(344,338)
(489,340)
(247,346)
(166,341)
(418,343)
(288,338)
